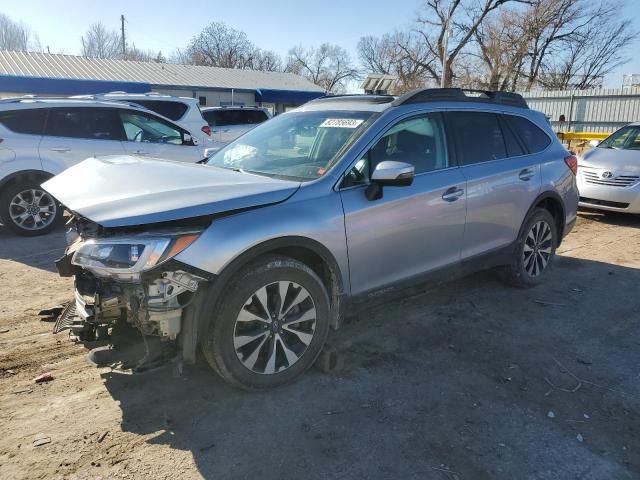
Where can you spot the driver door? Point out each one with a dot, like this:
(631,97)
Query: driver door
(412,229)
(151,136)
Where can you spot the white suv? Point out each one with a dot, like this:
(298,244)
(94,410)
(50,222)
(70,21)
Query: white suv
(184,111)
(40,138)
(228,123)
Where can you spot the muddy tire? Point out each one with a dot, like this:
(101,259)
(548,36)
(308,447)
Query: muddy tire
(535,251)
(269,324)
(26,209)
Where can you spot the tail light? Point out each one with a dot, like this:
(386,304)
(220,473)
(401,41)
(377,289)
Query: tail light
(572,163)
(206,129)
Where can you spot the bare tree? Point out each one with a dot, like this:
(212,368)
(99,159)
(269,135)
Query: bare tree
(219,45)
(328,66)
(445,29)
(17,36)
(385,55)
(98,42)
(266,60)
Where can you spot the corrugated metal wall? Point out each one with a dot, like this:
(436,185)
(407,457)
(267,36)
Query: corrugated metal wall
(603,110)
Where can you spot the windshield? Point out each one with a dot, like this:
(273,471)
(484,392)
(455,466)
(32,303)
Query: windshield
(300,145)
(627,138)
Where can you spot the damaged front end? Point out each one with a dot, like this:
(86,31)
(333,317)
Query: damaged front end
(128,277)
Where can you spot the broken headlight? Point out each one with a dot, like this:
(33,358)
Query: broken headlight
(126,258)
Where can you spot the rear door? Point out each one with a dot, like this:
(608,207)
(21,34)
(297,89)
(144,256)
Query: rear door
(73,134)
(149,135)
(410,230)
(502,179)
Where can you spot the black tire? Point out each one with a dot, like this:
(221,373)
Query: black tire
(29,228)
(240,295)
(526,270)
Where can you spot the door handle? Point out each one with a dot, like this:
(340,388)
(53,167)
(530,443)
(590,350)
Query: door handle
(526,174)
(452,194)
(142,152)
(60,149)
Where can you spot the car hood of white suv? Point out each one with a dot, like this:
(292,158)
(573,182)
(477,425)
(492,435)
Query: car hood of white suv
(118,191)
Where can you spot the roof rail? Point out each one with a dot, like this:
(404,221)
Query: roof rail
(460,95)
(355,97)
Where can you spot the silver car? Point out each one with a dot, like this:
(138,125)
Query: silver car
(309,217)
(609,174)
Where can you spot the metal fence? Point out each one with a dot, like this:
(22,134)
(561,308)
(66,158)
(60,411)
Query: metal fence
(602,110)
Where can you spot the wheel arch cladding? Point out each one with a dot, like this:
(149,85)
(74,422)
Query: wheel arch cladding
(310,252)
(551,202)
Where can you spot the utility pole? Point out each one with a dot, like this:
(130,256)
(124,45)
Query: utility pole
(445,42)
(124,44)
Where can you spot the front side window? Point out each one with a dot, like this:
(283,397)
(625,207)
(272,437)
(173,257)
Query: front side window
(300,145)
(627,138)
(87,123)
(419,141)
(479,137)
(30,121)
(140,127)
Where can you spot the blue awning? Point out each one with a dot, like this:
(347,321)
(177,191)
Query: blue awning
(67,86)
(290,97)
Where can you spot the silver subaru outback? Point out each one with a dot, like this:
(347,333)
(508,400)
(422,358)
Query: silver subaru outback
(254,256)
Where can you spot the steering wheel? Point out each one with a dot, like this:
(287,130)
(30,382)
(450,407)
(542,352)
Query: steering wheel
(138,136)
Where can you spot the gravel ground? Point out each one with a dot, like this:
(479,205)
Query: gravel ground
(467,380)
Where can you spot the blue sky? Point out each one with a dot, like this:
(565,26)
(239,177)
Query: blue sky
(273,25)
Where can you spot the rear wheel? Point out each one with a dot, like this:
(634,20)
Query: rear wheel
(269,325)
(26,209)
(535,250)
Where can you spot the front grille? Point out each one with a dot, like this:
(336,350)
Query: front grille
(595,178)
(603,203)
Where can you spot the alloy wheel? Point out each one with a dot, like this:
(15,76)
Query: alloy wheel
(274,327)
(537,248)
(32,209)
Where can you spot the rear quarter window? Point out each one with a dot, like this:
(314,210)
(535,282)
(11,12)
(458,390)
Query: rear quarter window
(531,135)
(29,121)
(171,110)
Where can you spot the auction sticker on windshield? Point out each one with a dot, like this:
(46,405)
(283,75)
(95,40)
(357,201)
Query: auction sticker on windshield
(342,123)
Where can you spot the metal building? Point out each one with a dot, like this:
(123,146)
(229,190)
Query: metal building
(48,74)
(601,110)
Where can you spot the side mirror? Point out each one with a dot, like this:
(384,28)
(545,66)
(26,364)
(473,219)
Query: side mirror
(594,143)
(389,173)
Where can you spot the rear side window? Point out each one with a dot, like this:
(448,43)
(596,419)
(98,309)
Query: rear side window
(478,135)
(514,148)
(533,137)
(221,118)
(29,121)
(88,123)
(171,110)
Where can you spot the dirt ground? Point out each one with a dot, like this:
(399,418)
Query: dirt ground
(468,380)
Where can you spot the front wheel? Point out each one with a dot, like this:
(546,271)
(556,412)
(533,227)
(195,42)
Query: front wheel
(270,324)
(535,250)
(26,209)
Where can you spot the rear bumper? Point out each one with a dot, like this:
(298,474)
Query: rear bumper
(610,198)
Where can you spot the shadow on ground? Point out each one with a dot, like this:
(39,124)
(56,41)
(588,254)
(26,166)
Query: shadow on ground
(456,382)
(610,218)
(38,252)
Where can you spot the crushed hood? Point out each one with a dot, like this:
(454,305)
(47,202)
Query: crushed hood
(126,190)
